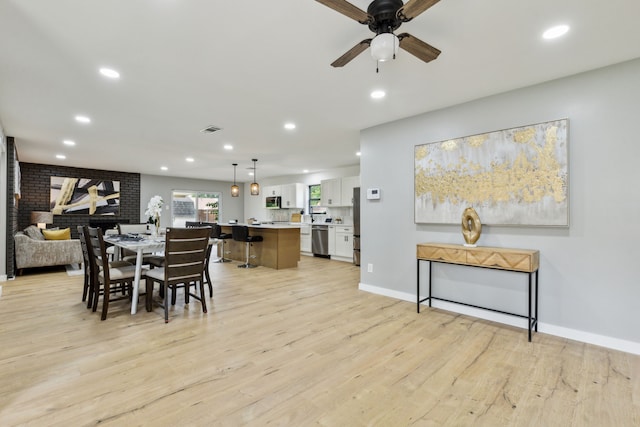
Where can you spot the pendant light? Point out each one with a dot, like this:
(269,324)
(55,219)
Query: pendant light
(255,187)
(235,190)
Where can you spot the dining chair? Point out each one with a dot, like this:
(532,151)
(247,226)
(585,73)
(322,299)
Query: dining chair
(111,249)
(185,250)
(89,285)
(85,267)
(207,277)
(151,259)
(108,278)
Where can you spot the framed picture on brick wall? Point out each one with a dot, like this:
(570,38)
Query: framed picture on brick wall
(84,196)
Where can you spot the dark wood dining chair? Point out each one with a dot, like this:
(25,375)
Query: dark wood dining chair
(207,259)
(130,256)
(185,250)
(86,267)
(107,278)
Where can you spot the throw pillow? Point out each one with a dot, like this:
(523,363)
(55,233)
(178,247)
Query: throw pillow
(64,234)
(34,232)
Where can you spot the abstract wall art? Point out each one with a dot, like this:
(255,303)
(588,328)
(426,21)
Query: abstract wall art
(84,196)
(517,176)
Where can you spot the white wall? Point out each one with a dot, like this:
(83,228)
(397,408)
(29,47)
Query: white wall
(150,185)
(589,284)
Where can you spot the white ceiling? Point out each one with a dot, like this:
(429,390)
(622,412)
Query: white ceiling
(251,66)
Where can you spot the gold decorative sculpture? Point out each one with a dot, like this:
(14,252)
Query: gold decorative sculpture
(471,227)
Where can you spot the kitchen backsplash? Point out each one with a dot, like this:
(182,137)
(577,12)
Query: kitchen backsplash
(345,214)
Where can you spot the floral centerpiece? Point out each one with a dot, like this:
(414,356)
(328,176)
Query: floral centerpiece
(154,210)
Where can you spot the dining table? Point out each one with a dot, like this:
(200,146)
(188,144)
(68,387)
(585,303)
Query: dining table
(140,244)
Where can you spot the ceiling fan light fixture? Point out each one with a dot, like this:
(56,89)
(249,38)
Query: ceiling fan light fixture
(384,46)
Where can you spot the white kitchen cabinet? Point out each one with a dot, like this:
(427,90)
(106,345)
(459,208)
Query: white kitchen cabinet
(332,240)
(292,196)
(331,192)
(272,190)
(347,186)
(343,246)
(305,238)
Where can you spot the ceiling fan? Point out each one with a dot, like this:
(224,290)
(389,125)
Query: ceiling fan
(383,17)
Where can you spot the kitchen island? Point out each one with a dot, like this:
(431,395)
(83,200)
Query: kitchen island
(279,249)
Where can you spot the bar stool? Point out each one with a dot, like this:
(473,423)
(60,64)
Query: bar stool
(241,234)
(221,237)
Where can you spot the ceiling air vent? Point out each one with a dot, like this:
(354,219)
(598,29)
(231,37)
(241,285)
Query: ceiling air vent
(211,129)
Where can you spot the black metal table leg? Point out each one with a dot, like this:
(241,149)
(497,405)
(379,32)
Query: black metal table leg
(529,307)
(418,288)
(536,306)
(430,283)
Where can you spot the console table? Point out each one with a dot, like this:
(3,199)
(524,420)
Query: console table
(518,260)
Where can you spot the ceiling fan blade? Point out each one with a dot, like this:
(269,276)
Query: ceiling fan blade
(351,53)
(347,9)
(414,8)
(418,48)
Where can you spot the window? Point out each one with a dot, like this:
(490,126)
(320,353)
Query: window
(194,206)
(314,200)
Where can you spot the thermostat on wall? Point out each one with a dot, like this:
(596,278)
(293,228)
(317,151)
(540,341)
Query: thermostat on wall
(373,193)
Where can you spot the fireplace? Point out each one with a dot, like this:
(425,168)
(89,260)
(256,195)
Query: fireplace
(106,224)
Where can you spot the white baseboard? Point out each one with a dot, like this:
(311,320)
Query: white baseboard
(3,277)
(559,331)
(342,258)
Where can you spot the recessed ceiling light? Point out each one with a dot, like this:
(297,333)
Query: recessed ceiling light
(290,126)
(305,171)
(61,156)
(164,168)
(554,32)
(358,153)
(110,73)
(83,119)
(250,173)
(190,159)
(228,147)
(69,142)
(378,94)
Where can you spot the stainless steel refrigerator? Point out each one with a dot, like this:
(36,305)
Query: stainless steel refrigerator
(356,226)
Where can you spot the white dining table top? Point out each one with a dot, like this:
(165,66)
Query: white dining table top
(135,242)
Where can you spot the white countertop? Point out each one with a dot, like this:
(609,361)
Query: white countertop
(279,225)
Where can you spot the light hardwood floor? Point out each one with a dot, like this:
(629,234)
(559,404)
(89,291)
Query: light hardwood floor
(293,347)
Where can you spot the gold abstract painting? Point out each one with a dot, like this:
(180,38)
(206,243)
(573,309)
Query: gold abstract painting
(84,196)
(517,176)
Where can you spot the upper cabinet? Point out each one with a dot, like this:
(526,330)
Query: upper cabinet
(338,191)
(272,190)
(348,184)
(292,196)
(331,192)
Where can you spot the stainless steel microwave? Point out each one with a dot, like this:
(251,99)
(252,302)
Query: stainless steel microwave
(273,202)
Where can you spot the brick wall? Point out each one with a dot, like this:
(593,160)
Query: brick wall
(35,184)
(12,205)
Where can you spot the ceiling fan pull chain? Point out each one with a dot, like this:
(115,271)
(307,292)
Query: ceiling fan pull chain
(377,66)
